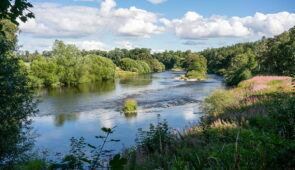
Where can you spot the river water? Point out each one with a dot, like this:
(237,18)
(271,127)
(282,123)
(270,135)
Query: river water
(83,110)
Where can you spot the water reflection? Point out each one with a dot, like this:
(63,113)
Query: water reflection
(83,110)
(130,115)
(60,119)
(137,80)
(97,87)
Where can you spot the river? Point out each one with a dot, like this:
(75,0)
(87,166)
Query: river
(81,111)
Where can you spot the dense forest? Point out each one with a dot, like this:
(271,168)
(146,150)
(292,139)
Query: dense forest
(250,126)
(268,56)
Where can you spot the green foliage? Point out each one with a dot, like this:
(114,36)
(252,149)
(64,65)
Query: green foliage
(100,68)
(36,165)
(8,39)
(195,66)
(138,66)
(66,66)
(194,75)
(157,139)
(274,56)
(240,68)
(155,65)
(195,62)
(84,155)
(16,98)
(243,129)
(128,64)
(45,70)
(275,82)
(15,10)
(117,163)
(145,67)
(130,105)
(70,63)
(170,59)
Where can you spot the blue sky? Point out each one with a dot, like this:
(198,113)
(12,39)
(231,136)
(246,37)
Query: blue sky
(156,24)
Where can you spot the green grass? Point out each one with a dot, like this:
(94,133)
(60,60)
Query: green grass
(121,73)
(244,128)
(275,82)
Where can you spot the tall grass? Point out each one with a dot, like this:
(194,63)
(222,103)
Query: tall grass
(248,127)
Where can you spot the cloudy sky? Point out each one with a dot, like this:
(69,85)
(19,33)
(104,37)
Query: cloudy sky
(156,24)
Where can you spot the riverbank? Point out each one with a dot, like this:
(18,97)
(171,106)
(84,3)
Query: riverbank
(250,126)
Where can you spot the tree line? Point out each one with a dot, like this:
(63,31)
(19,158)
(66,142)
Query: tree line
(268,56)
(67,65)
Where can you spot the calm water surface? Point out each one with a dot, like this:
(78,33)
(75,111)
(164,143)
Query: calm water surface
(82,111)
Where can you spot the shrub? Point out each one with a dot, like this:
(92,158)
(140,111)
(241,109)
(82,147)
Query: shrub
(130,105)
(195,62)
(194,75)
(155,65)
(100,68)
(138,66)
(36,165)
(157,139)
(45,71)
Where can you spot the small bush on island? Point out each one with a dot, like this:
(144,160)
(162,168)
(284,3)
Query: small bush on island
(130,106)
(195,75)
(195,66)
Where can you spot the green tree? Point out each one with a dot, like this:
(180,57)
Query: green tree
(46,70)
(16,98)
(155,65)
(70,63)
(241,68)
(195,62)
(100,68)
(11,11)
(139,66)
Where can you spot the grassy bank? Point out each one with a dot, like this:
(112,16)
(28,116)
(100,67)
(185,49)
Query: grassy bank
(121,73)
(248,127)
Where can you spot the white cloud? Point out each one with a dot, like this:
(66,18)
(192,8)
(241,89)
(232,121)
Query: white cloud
(57,21)
(126,45)
(39,45)
(194,43)
(89,45)
(195,26)
(156,1)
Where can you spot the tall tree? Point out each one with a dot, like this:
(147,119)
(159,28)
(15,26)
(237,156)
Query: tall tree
(12,10)
(16,96)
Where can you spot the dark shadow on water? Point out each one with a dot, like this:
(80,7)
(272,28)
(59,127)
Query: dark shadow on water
(137,80)
(99,87)
(60,119)
(130,115)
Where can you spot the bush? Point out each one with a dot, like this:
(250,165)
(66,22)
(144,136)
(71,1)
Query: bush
(157,139)
(138,66)
(45,70)
(130,105)
(194,75)
(36,165)
(155,65)
(100,68)
(248,127)
(145,67)
(195,62)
